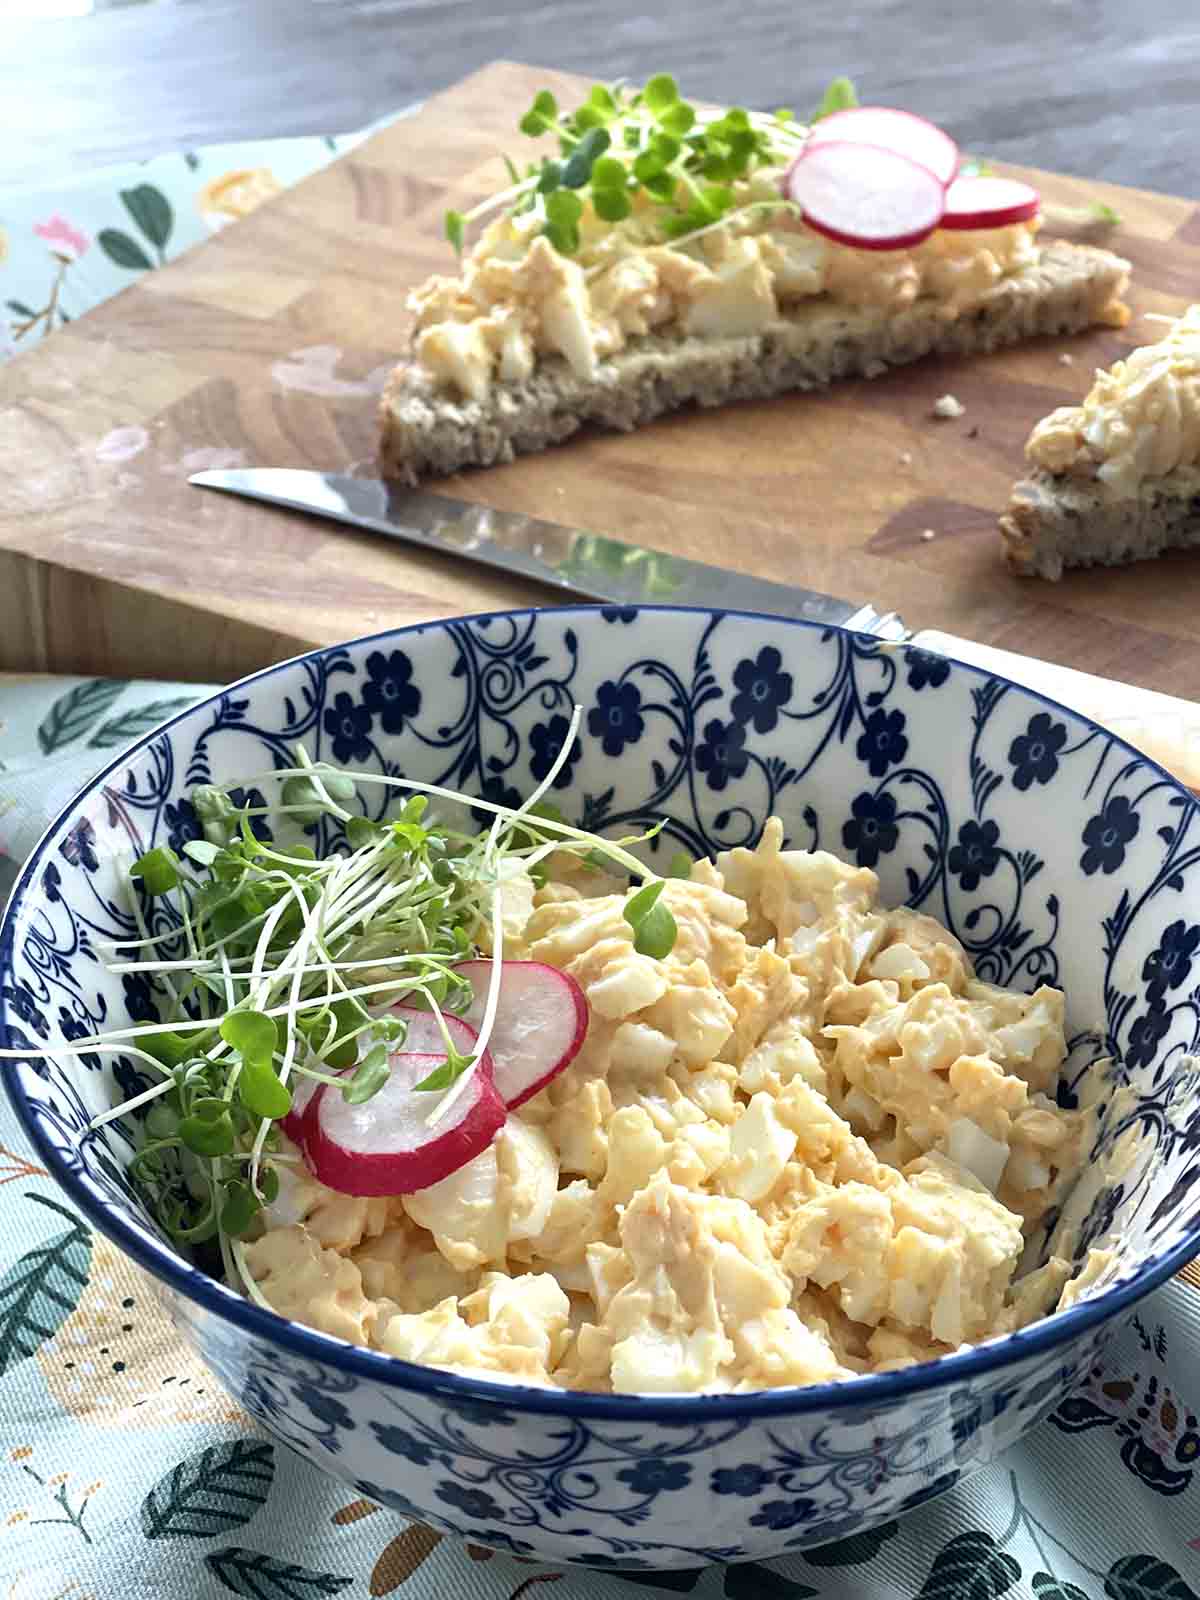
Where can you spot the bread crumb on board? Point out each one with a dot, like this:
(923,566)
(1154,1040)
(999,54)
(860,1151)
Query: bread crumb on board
(947,406)
(928,533)
(1066,359)
(906,458)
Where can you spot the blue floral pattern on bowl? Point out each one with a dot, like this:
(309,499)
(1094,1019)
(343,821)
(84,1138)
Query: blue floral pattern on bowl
(1053,851)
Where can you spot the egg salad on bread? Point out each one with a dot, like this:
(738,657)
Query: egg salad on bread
(664,255)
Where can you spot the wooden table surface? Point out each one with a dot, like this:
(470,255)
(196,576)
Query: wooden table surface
(1100,88)
(269,343)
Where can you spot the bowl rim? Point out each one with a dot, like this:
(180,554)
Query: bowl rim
(212,1296)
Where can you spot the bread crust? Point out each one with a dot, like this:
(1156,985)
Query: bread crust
(426,432)
(1057,521)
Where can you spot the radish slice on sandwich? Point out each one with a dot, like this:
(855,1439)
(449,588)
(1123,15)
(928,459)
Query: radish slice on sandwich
(987,202)
(888,129)
(385,1146)
(540,1023)
(865,196)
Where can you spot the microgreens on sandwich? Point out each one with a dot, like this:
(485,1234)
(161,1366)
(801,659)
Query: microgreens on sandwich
(1097,214)
(840,95)
(278,969)
(646,150)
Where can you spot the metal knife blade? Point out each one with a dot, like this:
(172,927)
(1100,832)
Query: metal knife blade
(586,564)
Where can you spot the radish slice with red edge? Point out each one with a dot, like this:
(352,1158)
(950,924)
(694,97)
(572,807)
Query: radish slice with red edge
(541,1022)
(424,1037)
(303,1090)
(987,202)
(901,132)
(870,198)
(385,1146)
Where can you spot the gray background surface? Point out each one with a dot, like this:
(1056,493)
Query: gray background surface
(1102,88)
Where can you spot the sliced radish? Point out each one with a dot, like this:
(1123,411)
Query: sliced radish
(303,1090)
(861,195)
(540,1024)
(888,129)
(424,1037)
(987,202)
(385,1145)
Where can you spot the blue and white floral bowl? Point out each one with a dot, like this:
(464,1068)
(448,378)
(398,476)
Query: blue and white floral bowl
(1053,851)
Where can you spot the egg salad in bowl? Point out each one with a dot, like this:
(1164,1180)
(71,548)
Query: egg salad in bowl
(805,1144)
(565,1050)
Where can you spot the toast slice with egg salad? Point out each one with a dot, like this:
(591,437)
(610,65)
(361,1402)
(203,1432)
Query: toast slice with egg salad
(665,258)
(1116,478)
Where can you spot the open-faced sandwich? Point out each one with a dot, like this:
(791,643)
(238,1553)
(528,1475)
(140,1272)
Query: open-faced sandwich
(662,256)
(1117,478)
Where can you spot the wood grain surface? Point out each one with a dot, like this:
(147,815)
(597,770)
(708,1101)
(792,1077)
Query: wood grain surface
(268,345)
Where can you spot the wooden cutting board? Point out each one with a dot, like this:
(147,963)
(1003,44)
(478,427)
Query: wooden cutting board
(269,343)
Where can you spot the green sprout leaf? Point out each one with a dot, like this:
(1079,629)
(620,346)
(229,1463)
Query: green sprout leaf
(610,197)
(840,95)
(253,1035)
(449,1072)
(261,1092)
(301,793)
(215,812)
(173,1048)
(654,929)
(679,118)
(660,93)
(361,831)
(680,865)
(239,1206)
(208,1129)
(542,115)
(158,869)
(609,173)
(455,225)
(613,205)
(550,177)
(577,169)
(369,1077)
(563,211)
(201,851)
(1097,214)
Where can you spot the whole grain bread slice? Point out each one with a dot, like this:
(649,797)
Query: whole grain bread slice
(1055,521)
(425,431)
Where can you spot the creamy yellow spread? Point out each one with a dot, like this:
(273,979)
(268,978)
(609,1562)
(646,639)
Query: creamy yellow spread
(518,298)
(806,1144)
(1140,419)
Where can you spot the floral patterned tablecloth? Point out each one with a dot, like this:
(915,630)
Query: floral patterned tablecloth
(126,1474)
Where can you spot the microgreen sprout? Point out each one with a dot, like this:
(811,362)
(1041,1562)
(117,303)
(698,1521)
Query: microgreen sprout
(654,929)
(1096,214)
(275,967)
(840,95)
(646,150)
